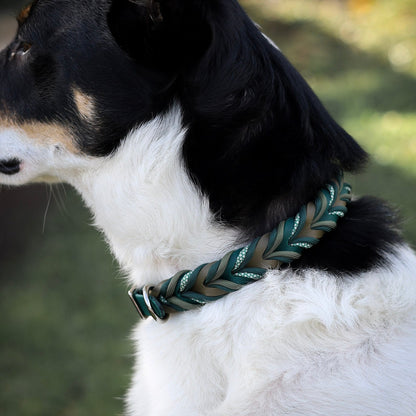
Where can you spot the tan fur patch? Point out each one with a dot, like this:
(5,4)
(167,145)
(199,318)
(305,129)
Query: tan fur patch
(44,134)
(84,103)
(53,134)
(24,14)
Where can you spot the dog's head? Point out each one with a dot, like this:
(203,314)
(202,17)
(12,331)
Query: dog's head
(77,78)
(81,74)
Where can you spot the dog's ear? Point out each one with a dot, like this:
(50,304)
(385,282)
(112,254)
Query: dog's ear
(151,7)
(163,34)
(260,143)
(131,22)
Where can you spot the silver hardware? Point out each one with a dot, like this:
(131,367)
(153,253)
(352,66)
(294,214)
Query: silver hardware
(131,295)
(146,297)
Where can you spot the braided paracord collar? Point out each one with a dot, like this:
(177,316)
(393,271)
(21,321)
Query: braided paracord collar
(191,289)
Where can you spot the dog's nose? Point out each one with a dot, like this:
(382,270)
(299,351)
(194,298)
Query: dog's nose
(10,166)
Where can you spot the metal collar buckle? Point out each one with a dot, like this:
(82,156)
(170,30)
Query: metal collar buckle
(136,305)
(146,297)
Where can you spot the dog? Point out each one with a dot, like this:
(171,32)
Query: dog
(189,136)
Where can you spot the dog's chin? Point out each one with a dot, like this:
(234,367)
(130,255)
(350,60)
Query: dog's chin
(26,176)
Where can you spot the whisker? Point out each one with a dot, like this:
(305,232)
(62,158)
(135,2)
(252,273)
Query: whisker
(59,199)
(47,208)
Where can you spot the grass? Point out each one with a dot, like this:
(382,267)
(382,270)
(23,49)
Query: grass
(64,348)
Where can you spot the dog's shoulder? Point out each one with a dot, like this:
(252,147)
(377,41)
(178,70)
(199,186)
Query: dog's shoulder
(278,344)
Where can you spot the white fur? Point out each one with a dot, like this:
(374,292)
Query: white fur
(291,344)
(155,220)
(43,160)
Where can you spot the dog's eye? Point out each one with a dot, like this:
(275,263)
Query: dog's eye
(22,49)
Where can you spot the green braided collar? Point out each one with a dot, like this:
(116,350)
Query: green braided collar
(191,289)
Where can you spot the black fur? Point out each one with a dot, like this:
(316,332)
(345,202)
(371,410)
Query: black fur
(259,143)
(360,242)
(72,46)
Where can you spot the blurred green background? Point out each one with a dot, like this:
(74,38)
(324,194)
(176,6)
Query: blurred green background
(65,317)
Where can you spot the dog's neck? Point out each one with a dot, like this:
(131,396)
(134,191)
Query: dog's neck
(154,218)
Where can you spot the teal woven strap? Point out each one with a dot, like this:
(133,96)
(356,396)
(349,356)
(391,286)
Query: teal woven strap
(190,289)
